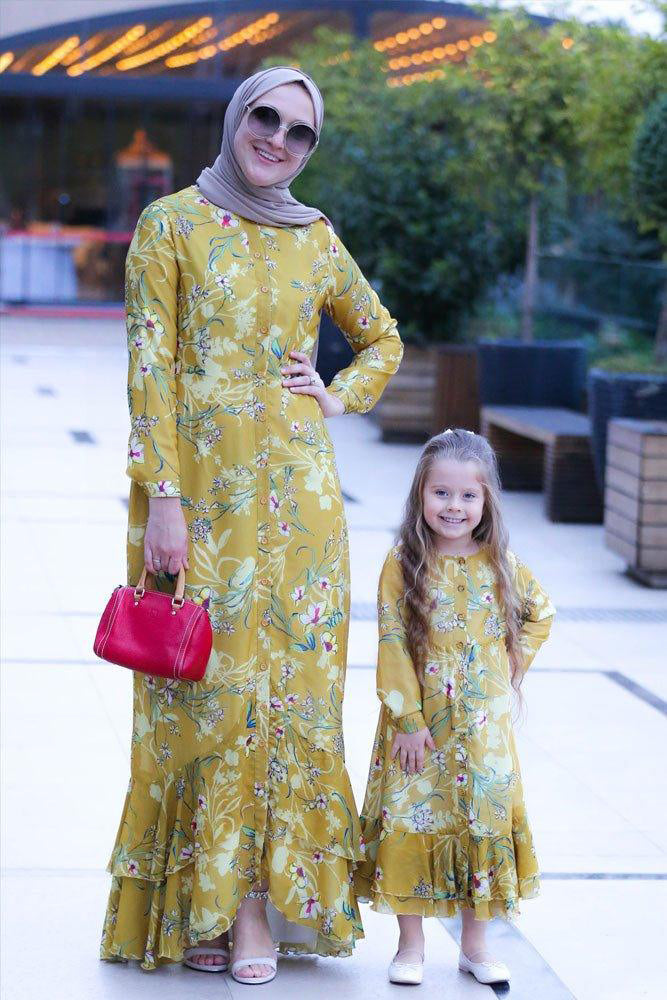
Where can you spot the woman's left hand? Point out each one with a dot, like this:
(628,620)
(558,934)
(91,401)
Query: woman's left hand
(302,378)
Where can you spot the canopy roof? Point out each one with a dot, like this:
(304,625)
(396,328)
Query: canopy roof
(203,49)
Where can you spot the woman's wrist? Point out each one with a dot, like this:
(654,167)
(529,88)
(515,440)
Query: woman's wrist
(164,503)
(165,508)
(331,405)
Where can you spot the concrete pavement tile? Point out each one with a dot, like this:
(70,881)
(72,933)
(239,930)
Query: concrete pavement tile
(602,937)
(65,769)
(70,910)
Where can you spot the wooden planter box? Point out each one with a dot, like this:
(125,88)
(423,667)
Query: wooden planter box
(632,396)
(635,517)
(456,402)
(435,388)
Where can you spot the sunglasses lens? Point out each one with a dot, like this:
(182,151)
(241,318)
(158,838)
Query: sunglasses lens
(300,139)
(263,122)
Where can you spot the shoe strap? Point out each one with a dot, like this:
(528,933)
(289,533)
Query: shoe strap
(192,952)
(262,960)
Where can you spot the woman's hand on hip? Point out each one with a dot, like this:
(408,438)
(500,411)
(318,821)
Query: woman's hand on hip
(166,538)
(410,749)
(302,378)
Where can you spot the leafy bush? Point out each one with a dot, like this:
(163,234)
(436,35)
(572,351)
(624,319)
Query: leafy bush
(399,173)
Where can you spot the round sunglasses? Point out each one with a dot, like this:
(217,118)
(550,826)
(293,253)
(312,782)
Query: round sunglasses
(264,121)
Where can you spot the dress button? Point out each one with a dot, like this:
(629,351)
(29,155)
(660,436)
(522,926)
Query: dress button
(459,645)
(265,581)
(257,256)
(460,587)
(264,288)
(262,500)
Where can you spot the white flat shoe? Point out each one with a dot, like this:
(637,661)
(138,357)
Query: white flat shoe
(408,973)
(243,963)
(484,972)
(191,953)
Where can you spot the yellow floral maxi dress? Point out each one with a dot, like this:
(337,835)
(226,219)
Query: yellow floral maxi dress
(456,834)
(242,776)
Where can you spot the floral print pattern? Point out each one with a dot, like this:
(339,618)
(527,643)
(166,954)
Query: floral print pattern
(456,834)
(242,777)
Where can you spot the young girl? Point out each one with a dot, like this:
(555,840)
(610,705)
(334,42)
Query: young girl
(460,619)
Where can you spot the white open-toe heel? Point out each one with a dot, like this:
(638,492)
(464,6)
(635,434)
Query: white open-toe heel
(243,963)
(191,953)
(408,973)
(484,972)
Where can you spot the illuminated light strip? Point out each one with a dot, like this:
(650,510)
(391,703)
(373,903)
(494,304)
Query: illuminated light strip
(266,36)
(409,78)
(188,58)
(82,49)
(410,34)
(251,33)
(149,38)
(441,52)
(175,42)
(6,59)
(206,36)
(344,56)
(239,37)
(435,74)
(56,56)
(108,52)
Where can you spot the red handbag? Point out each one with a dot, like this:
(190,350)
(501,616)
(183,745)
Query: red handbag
(155,633)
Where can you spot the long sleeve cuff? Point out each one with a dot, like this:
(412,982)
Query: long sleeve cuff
(345,393)
(411,723)
(161,488)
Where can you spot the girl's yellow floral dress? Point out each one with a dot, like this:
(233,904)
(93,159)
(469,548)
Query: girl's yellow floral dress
(242,776)
(456,834)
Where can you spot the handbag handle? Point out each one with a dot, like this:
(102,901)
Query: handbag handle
(179,594)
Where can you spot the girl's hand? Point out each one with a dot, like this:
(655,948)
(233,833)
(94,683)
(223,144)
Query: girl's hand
(166,538)
(410,746)
(302,378)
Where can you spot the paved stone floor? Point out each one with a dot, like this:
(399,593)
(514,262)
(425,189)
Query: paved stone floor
(591,741)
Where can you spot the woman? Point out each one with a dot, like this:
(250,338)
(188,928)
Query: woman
(238,786)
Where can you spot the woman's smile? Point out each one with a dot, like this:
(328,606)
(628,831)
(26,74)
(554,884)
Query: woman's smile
(266,156)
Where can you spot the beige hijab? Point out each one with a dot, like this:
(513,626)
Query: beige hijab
(226,185)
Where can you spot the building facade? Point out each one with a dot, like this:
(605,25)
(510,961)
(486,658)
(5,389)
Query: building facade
(76,94)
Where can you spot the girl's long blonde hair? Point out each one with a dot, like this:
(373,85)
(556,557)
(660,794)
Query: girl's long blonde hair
(418,548)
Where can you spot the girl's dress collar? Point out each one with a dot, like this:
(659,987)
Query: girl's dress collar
(473,555)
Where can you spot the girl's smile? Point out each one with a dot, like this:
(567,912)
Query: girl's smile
(453,501)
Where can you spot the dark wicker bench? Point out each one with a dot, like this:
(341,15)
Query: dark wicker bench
(546,449)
